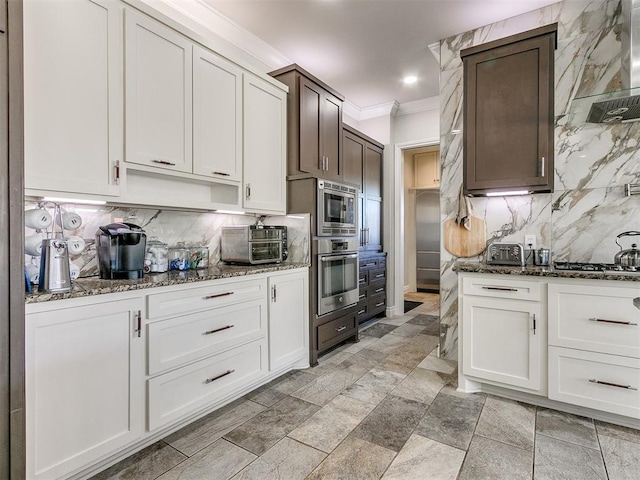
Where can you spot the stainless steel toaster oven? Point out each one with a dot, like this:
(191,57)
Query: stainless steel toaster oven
(254,244)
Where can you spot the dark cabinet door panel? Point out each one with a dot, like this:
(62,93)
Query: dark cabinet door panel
(373,172)
(310,112)
(331,135)
(508,113)
(353,159)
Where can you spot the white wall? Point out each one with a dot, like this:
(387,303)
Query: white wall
(417,126)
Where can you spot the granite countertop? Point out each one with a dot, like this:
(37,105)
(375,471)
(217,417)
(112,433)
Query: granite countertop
(532,271)
(84,287)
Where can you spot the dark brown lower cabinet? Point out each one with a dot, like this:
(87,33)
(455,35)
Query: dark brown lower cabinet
(332,329)
(373,286)
(508,113)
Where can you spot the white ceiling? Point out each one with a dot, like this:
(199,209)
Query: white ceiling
(363,48)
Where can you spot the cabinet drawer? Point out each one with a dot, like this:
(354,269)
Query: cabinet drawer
(180,340)
(368,263)
(364,293)
(501,288)
(574,377)
(600,319)
(377,276)
(376,290)
(363,277)
(362,311)
(336,330)
(183,391)
(377,305)
(202,298)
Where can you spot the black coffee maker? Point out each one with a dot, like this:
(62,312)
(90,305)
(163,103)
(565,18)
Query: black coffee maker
(120,248)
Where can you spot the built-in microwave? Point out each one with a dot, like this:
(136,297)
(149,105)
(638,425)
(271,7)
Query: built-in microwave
(337,209)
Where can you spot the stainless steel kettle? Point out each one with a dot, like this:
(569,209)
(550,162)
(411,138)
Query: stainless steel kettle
(630,257)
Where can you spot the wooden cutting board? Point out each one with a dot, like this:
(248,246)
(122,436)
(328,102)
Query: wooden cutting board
(462,242)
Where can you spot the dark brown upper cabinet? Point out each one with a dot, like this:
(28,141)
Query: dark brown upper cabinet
(314,125)
(508,113)
(362,161)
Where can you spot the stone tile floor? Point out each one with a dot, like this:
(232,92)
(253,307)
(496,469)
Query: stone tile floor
(386,407)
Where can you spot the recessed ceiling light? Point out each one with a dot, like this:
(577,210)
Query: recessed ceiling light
(408,80)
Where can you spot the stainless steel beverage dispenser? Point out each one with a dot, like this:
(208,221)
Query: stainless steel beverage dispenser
(120,248)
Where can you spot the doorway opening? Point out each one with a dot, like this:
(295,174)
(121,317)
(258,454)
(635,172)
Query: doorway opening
(421,191)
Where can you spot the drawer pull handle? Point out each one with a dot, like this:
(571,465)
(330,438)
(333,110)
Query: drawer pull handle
(609,384)
(209,297)
(209,332)
(380,275)
(362,311)
(379,304)
(341,329)
(222,174)
(369,264)
(362,295)
(378,290)
(617,322)
(501,289)
(163,162)
(213,379)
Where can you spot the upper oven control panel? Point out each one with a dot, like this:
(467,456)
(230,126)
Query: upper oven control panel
(505,254)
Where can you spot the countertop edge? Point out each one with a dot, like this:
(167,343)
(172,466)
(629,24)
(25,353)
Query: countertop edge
(94,286)
(532,271)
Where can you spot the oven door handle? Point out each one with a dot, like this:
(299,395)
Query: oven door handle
(329,258)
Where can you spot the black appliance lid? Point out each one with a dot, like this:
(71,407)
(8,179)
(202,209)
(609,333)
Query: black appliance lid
(123,228)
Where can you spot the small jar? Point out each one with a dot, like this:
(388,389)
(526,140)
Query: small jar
(179,257)
(199,257)
(156,258)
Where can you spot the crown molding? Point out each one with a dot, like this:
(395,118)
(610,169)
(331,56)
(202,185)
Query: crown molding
(422,105)
(200,12)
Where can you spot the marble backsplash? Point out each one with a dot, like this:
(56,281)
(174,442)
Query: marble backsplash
(581,218)
(171,227)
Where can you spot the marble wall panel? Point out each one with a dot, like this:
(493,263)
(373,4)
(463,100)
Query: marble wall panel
(172,226)
(585,223)
(580,220)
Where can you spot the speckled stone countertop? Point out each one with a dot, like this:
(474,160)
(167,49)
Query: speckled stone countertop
(84,287)
(474,267)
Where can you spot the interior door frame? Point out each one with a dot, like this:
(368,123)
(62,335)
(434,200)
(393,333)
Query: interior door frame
(394,218)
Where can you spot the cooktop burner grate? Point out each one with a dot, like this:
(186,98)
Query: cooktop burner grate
(594,267)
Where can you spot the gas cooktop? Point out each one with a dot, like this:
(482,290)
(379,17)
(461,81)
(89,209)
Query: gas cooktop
(595,267)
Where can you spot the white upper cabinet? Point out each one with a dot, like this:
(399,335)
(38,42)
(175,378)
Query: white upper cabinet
(217,116)
(158,94)
(73,96)
(265,118)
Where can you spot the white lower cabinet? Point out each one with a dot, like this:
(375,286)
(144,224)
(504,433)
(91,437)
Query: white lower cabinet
(609,383)
(584,349)
(594,346)
(89,401)
(84,385)
(288,319)
(182,391)
(504,339)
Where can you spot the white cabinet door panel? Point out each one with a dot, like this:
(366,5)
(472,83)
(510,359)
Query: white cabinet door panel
(73,96)
(601,319)
(182,391)
(288,318)
(158,93)
(84,385)
(179,340)
(500,343)
(217,116)
(264,146)
(605,382)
